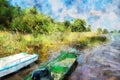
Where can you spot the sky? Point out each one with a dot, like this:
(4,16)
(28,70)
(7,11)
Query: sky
(97,13)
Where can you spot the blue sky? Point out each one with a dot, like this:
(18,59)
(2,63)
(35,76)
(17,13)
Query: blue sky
(97,13)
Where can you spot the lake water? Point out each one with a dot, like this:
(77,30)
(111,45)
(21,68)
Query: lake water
(115,37)
(101,62)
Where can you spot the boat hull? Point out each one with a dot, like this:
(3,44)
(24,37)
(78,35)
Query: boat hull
(17,65)
(60,66)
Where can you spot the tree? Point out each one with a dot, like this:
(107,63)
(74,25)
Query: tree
(105,31)
(4,12)
(88,28)
(67,24)
(99,30)
(79,25)
(32,22)
(7,13)
(33,10)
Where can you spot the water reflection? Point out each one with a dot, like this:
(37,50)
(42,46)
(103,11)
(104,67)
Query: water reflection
(100,63)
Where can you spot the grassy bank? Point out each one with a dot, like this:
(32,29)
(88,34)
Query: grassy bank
(12,43)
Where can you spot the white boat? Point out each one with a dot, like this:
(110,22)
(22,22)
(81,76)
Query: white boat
(15,62)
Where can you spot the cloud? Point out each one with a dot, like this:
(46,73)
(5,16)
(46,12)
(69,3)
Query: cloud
(95,12)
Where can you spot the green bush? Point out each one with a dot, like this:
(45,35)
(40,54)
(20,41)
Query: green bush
(79,25)
(97,38)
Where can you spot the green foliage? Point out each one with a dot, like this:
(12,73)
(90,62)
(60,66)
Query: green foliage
(105,31)
(88,28)
(32,22)
(33,10)
(79,25)
(7,13)
(86,41)
(19,25)
(2,27)
(115,31)
(10,17)
(99,30)
(67,24)
(58,27)
(97,38)
(4,12)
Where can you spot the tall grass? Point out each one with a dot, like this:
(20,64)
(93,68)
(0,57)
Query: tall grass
(42,44)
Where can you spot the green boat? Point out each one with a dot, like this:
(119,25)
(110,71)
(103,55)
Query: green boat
(60,67)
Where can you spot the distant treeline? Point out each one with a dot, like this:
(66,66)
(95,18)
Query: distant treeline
(115,31)
(13,18)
